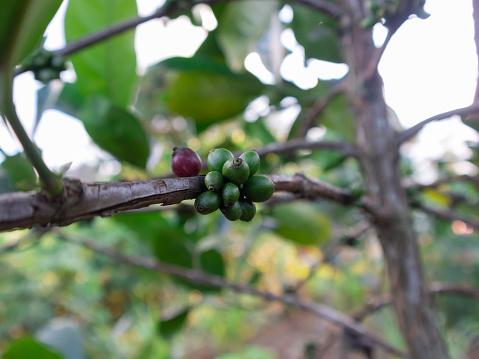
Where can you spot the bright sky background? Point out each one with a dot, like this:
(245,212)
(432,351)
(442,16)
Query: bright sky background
(429,67)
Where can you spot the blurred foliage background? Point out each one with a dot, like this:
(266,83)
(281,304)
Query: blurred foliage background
(61,300)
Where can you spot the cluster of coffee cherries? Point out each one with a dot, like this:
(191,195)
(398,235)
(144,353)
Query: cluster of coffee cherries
(233,185)
(232,182)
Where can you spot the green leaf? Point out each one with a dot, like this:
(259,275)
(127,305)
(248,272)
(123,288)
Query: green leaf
(22,24)
(20,172)
(115,130)
(212,262)
(317,33)
(172,325)
(301,223)
(29,348)
(202,89)
(338,116)
(109,67)
(241,25)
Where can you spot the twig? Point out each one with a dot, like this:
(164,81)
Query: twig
(410,132)
(449,215)
(199,277)
(379,302)
(346,148)
(377,55)
(309,119)
(325,7)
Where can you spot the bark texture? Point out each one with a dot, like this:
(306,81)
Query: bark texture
(378,154)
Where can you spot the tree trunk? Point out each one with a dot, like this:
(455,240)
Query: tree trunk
(379,158)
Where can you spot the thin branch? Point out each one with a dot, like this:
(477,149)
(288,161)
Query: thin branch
(410,132)
(199,277)
(377,55)
(377,303)
(345,148)
(309,119)
(323,6)
(448,215)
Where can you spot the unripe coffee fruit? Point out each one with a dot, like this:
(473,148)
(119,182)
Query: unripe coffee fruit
(248,210)
(230,193)
(232,212)
(207,202)
(236,170)
(214,181)
(252,159)
(217,158)
(185,162)
(258,188)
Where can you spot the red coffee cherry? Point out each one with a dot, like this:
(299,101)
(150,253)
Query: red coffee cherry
(185,162)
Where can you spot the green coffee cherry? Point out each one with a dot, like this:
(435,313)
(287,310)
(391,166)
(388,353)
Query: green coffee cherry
(236,170)
(217,158)
(230,193)
(214,181)
(232,212)
(248,210)
(258,188)
(207,202)
(252,159)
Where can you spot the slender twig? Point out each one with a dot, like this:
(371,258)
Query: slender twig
(377,55)
(199,277)
(348,149)
(309,119)
(377,303)
(50,181)
(410,132)
(448,215)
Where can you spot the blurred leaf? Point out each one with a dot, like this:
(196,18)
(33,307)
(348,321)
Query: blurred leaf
(29,348)
(471,121)
(259,130)
(169,327)
(436,198)
(22,24)
(20,172)
(109,67)
(65,98)
(201,89)
(249,353)
(301,223)
(212,262)
(338,116)
(115,130)
(240,27)
(317,33)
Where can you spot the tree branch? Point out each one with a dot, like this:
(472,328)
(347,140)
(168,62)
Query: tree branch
(377,303)
(199,277)
(448,215)
(410,132)
(85,200)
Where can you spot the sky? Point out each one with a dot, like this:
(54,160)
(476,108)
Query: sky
(429,67)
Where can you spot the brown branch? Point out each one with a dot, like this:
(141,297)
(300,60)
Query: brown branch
(85,200)
(199,277)
(346,148)
(410,132)
(448,215)
(379,302)
(309,119)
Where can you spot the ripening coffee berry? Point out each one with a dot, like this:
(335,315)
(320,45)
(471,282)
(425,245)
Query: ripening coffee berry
(236,170)
(258,188)
(214,181)
(230,193)
(232,212)
(207,202)
(248,210)
(217,158)
(252,159)
(185,162)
